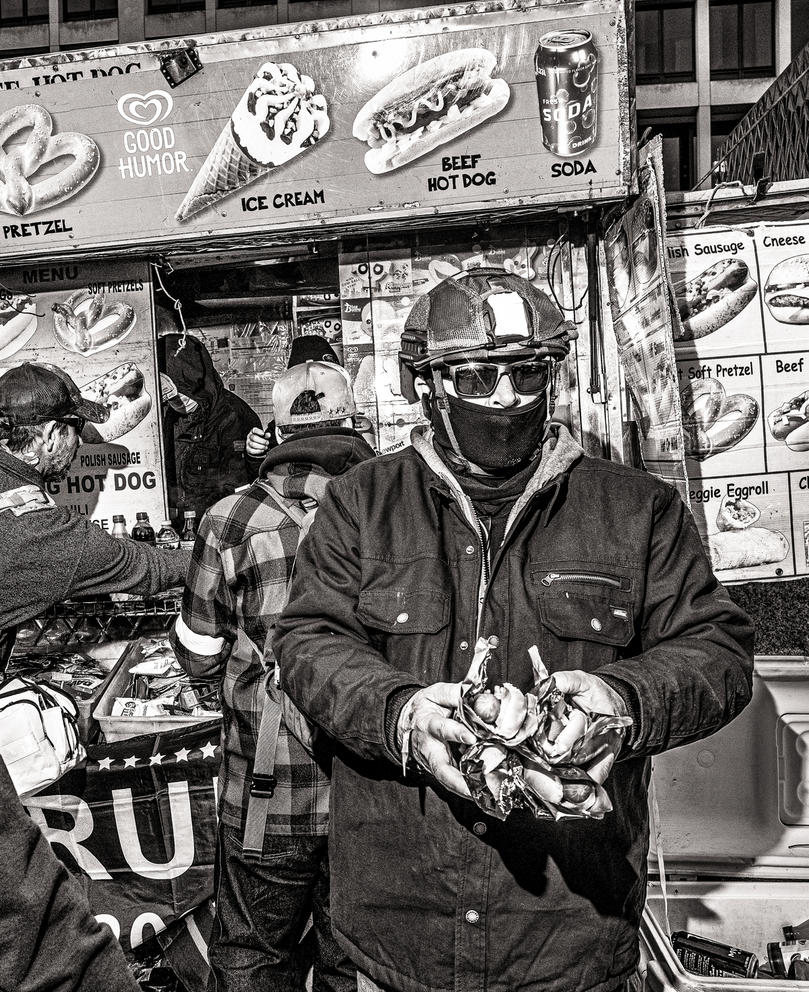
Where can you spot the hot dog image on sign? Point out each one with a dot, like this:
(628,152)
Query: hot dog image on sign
(428,105)
(18,322)
(88,322)
(40,168)
(123,391)
(280,115)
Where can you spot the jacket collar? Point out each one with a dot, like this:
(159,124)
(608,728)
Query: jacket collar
(559,454)
(15,471)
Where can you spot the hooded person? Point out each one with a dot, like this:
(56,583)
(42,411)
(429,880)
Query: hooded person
(205,425)
(494,522)
(272,859)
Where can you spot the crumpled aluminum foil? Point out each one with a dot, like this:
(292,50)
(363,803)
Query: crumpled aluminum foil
(534,750)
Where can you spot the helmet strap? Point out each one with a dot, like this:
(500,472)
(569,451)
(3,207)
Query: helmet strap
(440,397)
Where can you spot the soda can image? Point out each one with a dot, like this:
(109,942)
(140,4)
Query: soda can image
(566,69)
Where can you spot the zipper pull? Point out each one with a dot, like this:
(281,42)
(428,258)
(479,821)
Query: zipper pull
(549,578)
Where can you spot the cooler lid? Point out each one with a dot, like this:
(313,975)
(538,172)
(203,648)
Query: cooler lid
(739,800)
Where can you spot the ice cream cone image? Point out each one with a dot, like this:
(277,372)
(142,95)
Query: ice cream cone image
(279,116)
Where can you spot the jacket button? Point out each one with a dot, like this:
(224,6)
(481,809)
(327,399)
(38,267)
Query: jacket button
(403,618)
(470,550)
(464,645)
(472,916)
(595,623)
(479,829)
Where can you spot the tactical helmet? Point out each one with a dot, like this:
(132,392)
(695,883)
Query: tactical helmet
(475,313)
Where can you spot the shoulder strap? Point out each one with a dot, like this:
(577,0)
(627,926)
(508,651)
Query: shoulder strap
(263,783)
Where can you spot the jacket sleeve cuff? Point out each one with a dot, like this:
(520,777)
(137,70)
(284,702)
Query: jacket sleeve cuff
(393,707)
(632,702)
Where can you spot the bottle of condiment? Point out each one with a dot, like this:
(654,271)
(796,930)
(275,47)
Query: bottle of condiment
(119,526)
(189,534)
(167,537)
(143,530)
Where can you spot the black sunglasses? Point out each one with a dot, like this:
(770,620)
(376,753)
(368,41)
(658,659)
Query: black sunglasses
(77,422)
(479,379)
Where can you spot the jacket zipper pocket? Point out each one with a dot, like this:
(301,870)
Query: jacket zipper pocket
(591,577)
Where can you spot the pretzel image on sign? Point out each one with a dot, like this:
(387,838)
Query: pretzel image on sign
(23,155)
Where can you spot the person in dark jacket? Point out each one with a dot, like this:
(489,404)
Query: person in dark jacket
(494,522)
(272,868)
(208,441)
(49,938)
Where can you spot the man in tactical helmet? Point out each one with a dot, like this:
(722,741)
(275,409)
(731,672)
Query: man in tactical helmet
(495,522)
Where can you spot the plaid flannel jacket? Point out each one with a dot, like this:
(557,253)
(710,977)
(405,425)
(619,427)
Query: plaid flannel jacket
(242,561)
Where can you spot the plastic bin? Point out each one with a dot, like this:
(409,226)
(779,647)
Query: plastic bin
(121,728)
(734,833)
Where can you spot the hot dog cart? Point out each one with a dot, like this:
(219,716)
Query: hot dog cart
(253,187)
(316,178)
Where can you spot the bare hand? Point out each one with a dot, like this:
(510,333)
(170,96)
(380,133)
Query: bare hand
(590,693)
(427,717)
(256,444)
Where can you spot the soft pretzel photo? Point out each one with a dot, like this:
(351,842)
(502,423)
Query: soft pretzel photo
(21,160)
(88,323)
(712,421)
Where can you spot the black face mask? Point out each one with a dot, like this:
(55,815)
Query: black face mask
(494,439)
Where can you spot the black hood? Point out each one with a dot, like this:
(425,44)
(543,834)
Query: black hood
(333,449)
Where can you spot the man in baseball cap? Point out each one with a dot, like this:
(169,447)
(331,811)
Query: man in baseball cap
(42,413)
(273,810)
(51,554)
(494,523)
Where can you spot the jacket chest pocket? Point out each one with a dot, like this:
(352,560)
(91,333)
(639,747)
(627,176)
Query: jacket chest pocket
(587,619)
(409,628)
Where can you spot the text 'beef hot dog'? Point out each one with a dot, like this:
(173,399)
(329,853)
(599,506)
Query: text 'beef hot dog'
(714,297)
(428,105)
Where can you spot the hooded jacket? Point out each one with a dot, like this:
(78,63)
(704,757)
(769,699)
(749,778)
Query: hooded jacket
(207,457)
(601,568)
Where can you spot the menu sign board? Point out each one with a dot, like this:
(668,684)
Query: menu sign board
(399,115)
(95,323)
(743,368)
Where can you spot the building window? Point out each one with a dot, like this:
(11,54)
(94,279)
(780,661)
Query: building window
(224,4)
(742,40)
(16,12)
(679,146)
(88,10)
(800,25)
(174,6)
(664,42)
(723,121)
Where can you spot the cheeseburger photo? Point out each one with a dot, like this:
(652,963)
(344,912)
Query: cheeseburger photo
(430,104)
(787,290)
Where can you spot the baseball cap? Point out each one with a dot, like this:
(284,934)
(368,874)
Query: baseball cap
(311,348)
(475,312)
(309,394)
(32,393)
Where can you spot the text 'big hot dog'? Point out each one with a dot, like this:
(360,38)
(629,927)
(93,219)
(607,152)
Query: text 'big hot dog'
(714,297)
(428,105)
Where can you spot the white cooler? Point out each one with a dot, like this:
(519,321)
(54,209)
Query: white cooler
(733,829)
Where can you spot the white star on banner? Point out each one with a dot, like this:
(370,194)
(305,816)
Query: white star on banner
(209,750)
(156,759)
(130,762)
(182,754)
(104,764)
